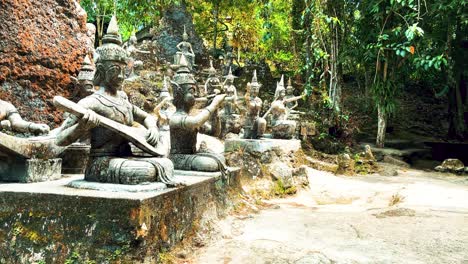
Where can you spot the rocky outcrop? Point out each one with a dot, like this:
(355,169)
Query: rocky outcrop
(42,44)
(169,33)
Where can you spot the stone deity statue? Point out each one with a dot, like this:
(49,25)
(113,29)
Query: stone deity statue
(213,84)
(282,128)
(230,119)
(184,127)
(10,119)
(185,48)
(254,125)
(84,86)
(111,159)
(132,51)
(290,94)
(163,111)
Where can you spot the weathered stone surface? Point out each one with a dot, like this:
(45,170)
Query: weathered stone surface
(345,165)
(451,165)
(395,161)
(42,170)
(169,33)
(42,44)
(52,223)
(322,165)
(263,145)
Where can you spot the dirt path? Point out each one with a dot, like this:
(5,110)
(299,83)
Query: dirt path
(349,220)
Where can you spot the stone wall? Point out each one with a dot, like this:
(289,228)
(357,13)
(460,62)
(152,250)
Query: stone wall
(42,44)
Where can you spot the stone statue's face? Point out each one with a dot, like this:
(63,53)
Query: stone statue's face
(289,91)
(114,75)
(254,91)
(281,94)
(184,36)
(189,98)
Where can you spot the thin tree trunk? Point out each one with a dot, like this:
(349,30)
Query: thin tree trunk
(381,126)
(381,114)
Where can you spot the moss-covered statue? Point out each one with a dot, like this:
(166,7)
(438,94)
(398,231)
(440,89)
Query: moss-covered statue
(111,159)
(184,127)
(254,125)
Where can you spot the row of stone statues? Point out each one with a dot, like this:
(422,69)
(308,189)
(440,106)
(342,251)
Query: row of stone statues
(131,146)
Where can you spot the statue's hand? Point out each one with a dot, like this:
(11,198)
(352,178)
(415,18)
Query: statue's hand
(218,99)
(38,129)
(152,136)
(89,120)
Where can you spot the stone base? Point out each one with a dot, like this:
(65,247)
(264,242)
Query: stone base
(262,145)
(31,170)
(51,223)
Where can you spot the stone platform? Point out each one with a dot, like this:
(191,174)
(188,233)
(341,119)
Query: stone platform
(50,222)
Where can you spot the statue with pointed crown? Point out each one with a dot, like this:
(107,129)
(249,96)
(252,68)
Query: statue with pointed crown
(185,48)
(230,119)
(282,128)
(185,127)
(254,125)
(163,111)
(111,159)
(84,85)
(213,84)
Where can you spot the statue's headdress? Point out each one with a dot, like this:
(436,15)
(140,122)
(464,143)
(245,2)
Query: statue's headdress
(87,70)
(165,89)
(183,75)
(211,70)
(254,84)
(230,76)
(279,87)
(111,49)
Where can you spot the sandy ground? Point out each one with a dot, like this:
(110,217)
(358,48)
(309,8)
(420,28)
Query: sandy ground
(350,220)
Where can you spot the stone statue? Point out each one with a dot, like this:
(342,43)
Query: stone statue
(132,51)
(230,119)
(10,119)
(290,94)
(185,48)
(254,125)
(213,84)
(91,34)
(184,127)
(281,126)
(85,78)
(163,111)
(111,158)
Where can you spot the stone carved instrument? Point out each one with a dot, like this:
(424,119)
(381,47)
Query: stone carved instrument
(137,136)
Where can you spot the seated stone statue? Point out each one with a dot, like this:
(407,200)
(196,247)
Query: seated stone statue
(164,110)
(132,52)
(230,119)
(254,125)
(111,159)
(185,48)
(282,127)
(184,127)
(10,119)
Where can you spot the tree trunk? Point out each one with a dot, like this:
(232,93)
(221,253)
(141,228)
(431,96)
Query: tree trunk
(381,126)
(215,30)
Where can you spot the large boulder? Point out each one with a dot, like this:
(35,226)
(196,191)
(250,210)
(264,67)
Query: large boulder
(169,32)
(42,44)
(451,165)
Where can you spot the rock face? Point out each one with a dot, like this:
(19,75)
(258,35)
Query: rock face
(169,33)
(42,44)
